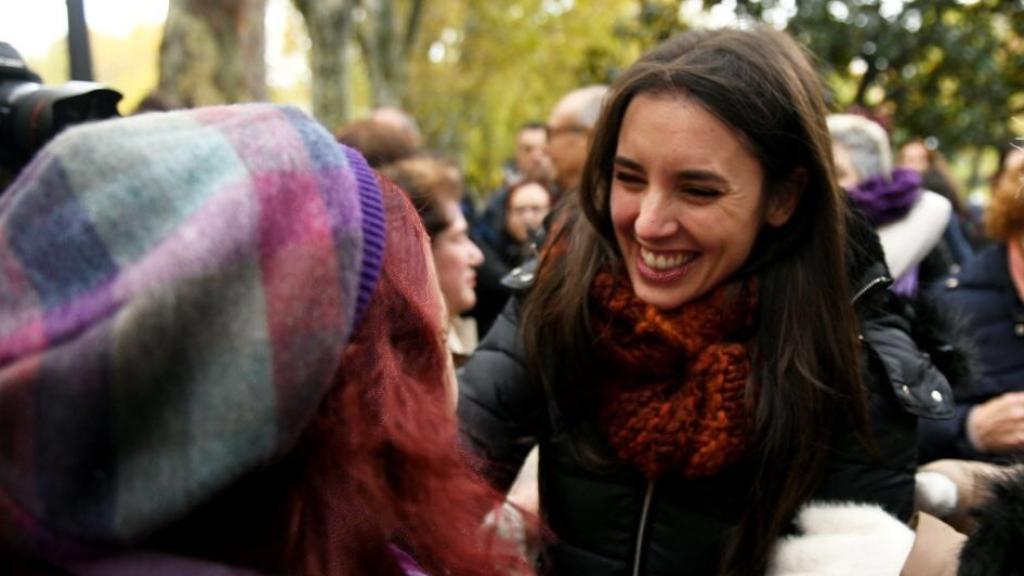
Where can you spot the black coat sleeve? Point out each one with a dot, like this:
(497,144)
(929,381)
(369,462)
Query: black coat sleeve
(881,469)
(501,411)
(948,438)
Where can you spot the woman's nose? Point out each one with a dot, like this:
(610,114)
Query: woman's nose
(476,257)
(655,219)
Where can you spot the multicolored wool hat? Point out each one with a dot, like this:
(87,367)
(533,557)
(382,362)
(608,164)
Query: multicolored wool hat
(176,290)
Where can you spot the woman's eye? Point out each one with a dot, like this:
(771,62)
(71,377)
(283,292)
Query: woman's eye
(707,193)
(629,179)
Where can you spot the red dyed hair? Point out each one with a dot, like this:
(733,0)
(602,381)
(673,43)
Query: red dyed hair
(383,459)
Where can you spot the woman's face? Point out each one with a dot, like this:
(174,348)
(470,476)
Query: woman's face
(529,204)
(437,302)
(846,173)
(686,200)
(914,156)
(456,258)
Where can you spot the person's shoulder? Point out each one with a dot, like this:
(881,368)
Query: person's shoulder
(988,270)
(521,278)
(908,338)
(496,202)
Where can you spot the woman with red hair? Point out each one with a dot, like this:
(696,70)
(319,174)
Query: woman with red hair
(221,352)
(399,474)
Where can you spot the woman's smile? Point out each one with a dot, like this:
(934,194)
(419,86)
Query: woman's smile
(686,199)
(664,266)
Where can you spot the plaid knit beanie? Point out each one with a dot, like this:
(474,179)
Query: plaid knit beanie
(176,290)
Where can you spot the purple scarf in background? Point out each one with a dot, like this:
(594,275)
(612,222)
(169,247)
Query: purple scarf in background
(883,201)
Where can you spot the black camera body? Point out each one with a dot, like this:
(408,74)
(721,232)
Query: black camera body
(32,113)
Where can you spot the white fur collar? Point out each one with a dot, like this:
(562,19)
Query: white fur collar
(843,539)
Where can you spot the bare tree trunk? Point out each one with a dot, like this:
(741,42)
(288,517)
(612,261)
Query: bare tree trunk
(329,23)
(213,52)
(79,51)
(974,178)
(387,47)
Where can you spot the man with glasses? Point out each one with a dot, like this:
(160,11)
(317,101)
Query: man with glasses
(531,159)
(569,128)
(568,132)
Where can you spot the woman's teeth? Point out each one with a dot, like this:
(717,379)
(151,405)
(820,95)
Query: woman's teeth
(663,262)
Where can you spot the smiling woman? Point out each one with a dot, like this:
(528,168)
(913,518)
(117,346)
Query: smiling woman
(685,216)
(687,360)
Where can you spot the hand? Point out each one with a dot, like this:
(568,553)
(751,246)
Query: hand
(997,426)
(517,519)
(524,493)
(949,489)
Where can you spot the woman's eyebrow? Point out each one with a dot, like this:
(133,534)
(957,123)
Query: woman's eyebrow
(627,163)
(701,175)
(689,174)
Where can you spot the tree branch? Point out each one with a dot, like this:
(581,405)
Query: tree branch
(412,27)
(865,81)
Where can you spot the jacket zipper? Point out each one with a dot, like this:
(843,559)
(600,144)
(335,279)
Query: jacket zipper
(643,527)
(868,287)
(649,493)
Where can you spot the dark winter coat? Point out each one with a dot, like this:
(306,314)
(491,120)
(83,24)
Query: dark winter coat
(984,295)
(611,520)
(502,253)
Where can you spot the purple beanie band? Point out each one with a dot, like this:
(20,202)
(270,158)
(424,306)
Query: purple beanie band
(374,233)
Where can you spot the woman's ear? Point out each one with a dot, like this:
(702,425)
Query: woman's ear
(783,203)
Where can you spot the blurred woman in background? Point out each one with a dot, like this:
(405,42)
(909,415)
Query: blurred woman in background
(910,220)
(963,231)
(435,189)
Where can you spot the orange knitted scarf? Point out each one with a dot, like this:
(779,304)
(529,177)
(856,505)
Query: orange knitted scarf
(671,398)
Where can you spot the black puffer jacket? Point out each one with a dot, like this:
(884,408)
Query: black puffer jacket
(613,521)
(984,294)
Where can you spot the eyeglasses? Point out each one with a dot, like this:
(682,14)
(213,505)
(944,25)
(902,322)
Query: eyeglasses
(524,210)
(553,131)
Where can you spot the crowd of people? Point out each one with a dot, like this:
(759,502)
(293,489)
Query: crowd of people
(704,326)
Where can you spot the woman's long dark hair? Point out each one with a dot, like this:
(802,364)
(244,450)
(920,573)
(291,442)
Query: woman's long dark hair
(760,84)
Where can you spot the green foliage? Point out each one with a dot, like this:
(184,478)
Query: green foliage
(950,69)
(54,66)
(472,71)
(475,70)
(482,68)
(126,63)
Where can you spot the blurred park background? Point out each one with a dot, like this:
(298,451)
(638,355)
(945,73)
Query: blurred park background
(472,71)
